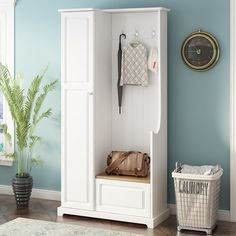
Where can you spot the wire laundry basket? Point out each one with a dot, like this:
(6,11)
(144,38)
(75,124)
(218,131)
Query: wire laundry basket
(197,199)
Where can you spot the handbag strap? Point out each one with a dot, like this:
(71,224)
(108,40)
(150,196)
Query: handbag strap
(115,164)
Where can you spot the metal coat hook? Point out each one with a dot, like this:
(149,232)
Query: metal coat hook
(153,33)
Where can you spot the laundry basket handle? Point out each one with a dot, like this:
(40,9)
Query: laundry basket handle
(178,166)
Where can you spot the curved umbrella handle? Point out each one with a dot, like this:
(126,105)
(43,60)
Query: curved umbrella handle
(122,35)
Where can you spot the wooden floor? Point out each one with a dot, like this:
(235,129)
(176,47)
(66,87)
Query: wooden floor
(46,210)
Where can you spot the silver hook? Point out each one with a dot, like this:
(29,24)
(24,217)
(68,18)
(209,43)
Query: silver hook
(153,33)
(136,34)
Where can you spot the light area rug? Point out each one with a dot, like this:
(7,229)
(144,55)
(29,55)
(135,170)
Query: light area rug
(29,227)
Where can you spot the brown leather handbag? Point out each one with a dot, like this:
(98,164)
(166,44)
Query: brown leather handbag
(128,163)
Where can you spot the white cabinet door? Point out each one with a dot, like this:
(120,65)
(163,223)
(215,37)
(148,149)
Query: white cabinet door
(77,154)
(77,111)
(122,197)
(78,48)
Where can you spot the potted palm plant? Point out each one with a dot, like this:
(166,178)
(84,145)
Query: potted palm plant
(25,109)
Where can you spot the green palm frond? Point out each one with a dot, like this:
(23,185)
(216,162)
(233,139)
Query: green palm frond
(40,100)
(35,161)
(45,114)
(31,96)
(22,131)
(34,140)
(25,111)
(32,92)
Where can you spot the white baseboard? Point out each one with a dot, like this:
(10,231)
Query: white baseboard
(36,193)
(159,219)
(46,194)
(223,215)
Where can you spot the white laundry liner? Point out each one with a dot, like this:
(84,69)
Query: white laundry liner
(197,199)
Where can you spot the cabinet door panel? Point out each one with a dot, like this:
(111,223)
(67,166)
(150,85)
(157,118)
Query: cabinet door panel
(123,197)
(77,42)
(78,149)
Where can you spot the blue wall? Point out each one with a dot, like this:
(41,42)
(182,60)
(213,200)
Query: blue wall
(198,103)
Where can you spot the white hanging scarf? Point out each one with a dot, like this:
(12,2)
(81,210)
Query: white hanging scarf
(134,69)
(152,60)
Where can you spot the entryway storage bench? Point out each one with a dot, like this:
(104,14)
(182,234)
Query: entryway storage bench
(91,126)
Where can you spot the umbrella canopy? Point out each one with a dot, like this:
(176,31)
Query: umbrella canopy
(120,88)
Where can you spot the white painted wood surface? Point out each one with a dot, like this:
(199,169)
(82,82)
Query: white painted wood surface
(7,15)
(122,197)
(121,10)
(77,138)
(159,136)
(232,110)
(102,90)
(140,111)
(77,110)
(90,105)
(151,223)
